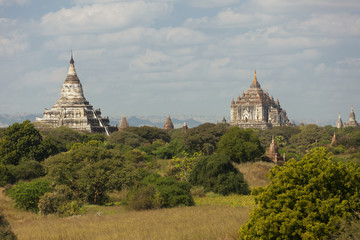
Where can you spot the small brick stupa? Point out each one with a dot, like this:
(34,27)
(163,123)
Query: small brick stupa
(168,123)
(272,152)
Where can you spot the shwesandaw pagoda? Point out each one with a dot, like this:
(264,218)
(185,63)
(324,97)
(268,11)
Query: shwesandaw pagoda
(256,109)
(73,110)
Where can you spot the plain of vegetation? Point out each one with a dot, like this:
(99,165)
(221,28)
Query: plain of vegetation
(145,182)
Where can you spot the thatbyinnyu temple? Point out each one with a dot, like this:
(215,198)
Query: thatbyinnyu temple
(256,109)
(73,110)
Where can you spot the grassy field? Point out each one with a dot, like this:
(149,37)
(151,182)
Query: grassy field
(213,217)
(210,219)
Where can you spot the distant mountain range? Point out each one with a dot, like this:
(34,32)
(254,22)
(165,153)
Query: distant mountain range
(156,121)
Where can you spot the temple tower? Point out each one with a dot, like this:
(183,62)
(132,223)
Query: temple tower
(339,123)
(256,109)
(73,110)
(352,121)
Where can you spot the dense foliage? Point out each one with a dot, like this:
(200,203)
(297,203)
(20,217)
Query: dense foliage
(217,174)
(240,145)
(21,141)
(204,137)
(306,199)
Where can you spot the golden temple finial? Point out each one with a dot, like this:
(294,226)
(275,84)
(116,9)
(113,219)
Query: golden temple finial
(255,75)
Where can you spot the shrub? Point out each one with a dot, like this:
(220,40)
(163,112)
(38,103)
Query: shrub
(5,230)
(61,201)
(169,192)
(27,195)
(306,199)
(216,173)
(144,198)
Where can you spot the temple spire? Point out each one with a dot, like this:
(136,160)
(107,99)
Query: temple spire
(255,83)
(72,70)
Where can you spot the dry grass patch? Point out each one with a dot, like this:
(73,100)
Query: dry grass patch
(255,173)
(202,222)
(217,221)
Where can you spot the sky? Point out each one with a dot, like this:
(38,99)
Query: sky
(182,57)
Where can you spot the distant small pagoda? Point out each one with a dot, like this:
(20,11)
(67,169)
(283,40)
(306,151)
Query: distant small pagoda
(168,124)
(123,124)
(73,110)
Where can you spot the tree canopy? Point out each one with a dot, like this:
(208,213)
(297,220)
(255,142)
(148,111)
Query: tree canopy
(240,145)
(20,141)
(217,174)
(306,199)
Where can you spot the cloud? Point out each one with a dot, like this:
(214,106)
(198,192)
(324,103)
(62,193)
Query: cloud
(333,24)
(13,44)
(306,5)
(150,59)
(212,3)
(230,18)
(12,2)
(102,17)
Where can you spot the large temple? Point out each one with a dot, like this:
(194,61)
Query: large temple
(73,110)
(256,109)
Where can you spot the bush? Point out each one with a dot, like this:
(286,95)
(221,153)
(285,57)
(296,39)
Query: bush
(306,199)
(217,174)
(168,192)
(62,202)
(5,230)
(144,198)
(27,195)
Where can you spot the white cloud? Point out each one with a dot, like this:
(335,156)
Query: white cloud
(12,44)
(333,24)
(102,17)
(150,59)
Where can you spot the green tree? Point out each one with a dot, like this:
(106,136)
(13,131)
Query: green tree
(240,145)
(216,173)
(306,199)
(91,171)
(21,141)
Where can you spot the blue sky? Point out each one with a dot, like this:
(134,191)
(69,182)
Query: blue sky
(182,57)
